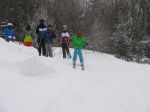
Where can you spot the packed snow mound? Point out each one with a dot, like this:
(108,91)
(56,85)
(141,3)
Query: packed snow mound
(30,83)
(11,52)
(34,67)
(25,59)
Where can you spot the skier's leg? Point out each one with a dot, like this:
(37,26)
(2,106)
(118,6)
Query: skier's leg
(67,50)
(64,50)
(47,49)
(43,47)
(39,46)
(50,50)
(80,56)
(75,56)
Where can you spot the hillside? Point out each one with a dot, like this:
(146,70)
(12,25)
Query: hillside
(29,83)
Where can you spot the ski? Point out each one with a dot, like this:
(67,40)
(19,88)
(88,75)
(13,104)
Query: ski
(82,66)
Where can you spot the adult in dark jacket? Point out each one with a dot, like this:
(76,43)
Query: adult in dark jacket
(49,41)
(41,31)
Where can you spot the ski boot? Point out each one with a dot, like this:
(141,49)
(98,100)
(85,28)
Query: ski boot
(82,66)
(74,65)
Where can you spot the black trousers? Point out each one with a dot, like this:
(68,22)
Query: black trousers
(65,49)
(41,48)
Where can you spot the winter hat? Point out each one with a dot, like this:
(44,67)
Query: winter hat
(42,21)
(79,33)
(65,26)
(9,24)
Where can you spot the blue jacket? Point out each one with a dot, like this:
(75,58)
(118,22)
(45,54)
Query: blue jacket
(41,31)
(50,36)
(9,34)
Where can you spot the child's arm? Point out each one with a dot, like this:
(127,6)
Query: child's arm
(71,38)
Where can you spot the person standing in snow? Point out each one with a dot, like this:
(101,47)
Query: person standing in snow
(49,41)
(65,41)
(79,41)
(41,31)
(9,33)
(28,37)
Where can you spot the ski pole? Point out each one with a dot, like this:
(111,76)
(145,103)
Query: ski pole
(60,51)
(85,54)
(68,48)
(85,51)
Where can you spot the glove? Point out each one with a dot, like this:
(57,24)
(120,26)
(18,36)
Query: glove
(10,37)
(86,44)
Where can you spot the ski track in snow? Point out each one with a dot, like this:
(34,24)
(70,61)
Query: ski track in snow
(29,83)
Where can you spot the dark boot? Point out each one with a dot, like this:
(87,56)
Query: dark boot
(74,65)
(82,66)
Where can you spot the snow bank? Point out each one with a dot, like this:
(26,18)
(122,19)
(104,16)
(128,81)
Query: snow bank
(25,59)
(29,83)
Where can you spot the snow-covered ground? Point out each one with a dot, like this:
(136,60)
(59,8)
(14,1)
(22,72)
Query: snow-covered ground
(29,83)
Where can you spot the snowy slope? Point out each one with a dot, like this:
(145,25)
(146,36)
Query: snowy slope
(29,83)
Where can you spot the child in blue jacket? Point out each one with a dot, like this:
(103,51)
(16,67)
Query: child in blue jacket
(9,33)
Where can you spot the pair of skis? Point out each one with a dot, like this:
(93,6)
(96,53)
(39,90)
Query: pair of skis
(82,66)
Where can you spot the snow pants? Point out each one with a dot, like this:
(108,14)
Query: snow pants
(41,47)
(77,52)
(49,51)
(65,49)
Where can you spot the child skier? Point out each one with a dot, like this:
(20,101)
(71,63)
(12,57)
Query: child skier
(79,42)
(9,33)
(65,41)
(28,36)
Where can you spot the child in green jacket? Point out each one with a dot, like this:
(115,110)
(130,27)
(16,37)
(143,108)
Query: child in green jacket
(79,41)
